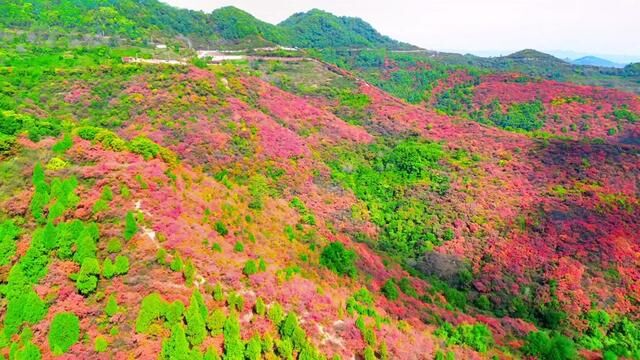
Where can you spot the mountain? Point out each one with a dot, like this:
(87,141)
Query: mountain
(152,19)
(320,29)
(596,61)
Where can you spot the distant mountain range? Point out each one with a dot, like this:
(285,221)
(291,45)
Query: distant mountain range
(595,61)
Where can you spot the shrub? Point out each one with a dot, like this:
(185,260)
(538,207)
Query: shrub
(250,268)
(546,347)
(477,336)
(131,227)
(7,142)
(338,259)
(114,246)
(145,147)
(285,348)
(288,326)
(623,113)
(260,307)
(11,123)
(121,265)
(238,247)
(100,206)
(407,288)
(63,145)
(390,290)
(369,354)
(86,244)
(100,344)
(64,331)
(39,200)
(107,193)
(110,141)
(161,256)
(88,132)
(221,228)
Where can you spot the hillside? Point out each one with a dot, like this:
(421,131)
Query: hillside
(153,20)
(319,29)
(540,65)
(358,204)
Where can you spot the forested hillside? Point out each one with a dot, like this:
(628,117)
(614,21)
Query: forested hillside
(151,20)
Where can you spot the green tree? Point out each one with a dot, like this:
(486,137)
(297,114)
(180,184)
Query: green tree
(112,306)
(546,347)
(64,331)
(233,346)
(176,347)
(260,307)
(121,265)
(196,329)
(250,268)
(152,309)
(254,349)
(131,227)
(216,321)
(338,259)
(87,278)
(22,307)
(108,269)
(390,290)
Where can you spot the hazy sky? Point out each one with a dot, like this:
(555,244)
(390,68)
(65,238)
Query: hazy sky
(485,27)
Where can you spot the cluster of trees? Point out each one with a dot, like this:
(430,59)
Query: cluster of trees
(338,259)
(527,116)
(12,124)
(476,336)
(190,327)
(624,113)
(381,175)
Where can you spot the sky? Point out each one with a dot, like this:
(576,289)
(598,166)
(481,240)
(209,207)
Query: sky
(565,28)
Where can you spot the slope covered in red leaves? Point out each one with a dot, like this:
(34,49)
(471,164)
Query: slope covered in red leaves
(307,222)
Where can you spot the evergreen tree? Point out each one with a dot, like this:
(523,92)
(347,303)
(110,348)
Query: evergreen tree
(112,306)
(176,347)
(196,329)
(233,346)
(64,331)
(131,227)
